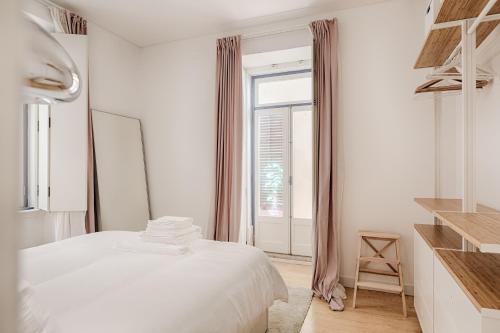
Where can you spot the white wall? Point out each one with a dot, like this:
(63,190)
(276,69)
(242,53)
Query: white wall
(388,133)
(179,119)
(450,147)
(488,142)
(113,83)
(487,134)
(113,73)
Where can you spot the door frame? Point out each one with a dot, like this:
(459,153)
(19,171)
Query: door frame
(253,108)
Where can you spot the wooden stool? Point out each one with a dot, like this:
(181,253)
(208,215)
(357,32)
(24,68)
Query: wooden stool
(378,257)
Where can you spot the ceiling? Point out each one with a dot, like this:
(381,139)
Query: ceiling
(149,22)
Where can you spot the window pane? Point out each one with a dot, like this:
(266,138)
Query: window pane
(271,159)
(302,164)
(284,90)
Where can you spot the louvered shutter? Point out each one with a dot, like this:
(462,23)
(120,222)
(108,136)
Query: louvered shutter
(272,162)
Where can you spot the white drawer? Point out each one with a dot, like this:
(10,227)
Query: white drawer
(423,283)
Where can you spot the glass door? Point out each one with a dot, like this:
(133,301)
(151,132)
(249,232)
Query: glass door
(282,162)
(301,180)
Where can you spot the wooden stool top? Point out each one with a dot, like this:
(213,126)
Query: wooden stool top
(381,235)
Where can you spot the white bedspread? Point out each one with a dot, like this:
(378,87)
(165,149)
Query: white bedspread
(89,285)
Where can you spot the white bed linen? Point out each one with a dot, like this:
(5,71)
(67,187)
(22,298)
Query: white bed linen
(90,286)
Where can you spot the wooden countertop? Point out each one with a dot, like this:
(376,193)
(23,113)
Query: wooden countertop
(439,236)
(449,205)
(478,274)
(481,229)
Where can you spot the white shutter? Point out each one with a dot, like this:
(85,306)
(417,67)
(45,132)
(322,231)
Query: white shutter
(272,163)
(68,138)
(271,179)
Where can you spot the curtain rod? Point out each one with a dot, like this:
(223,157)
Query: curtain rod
(274,32)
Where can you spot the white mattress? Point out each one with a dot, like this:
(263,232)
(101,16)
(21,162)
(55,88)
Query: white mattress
(90,286)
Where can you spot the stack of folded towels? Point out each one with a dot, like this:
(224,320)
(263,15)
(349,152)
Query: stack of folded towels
(167,235)
(171,230)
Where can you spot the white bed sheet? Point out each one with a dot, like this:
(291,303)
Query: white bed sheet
(88,285)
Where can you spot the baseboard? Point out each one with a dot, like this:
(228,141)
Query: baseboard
(348,281)
(289,257)
(291,261)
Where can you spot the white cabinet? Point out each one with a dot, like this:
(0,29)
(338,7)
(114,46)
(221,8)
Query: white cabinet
(63,130)
(453,311)
(423,283)
(444,305)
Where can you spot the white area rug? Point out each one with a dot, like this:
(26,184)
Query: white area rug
(289,317)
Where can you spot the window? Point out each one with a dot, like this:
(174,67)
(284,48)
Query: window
(283,144)
(29,141)
(287,88)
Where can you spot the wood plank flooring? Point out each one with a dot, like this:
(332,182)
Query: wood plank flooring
(375,311)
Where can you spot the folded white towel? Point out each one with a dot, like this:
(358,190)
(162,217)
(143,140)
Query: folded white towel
(160,231)
(173,222)
(174,219)
(184,240)
(171,230)
(139,246)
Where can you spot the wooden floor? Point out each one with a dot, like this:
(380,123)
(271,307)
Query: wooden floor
(375,311)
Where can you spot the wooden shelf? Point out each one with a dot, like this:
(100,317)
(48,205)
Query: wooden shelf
(477,274)
(481,229)
(439,236)
(440,43)
(449,205)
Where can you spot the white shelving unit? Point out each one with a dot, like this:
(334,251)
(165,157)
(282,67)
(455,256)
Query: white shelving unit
(453,282)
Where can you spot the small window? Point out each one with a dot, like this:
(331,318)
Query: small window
(29,156)
(295,88)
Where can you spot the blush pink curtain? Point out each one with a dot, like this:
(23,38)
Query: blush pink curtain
(325,227)
(68,22)
(229,105)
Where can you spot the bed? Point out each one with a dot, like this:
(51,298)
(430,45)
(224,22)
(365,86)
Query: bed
(88,284)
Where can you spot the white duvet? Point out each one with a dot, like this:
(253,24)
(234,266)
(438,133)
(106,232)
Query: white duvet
(90,286)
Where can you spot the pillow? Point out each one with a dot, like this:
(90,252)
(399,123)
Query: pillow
(32,317)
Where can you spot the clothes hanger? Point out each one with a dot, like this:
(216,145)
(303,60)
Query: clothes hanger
(449,78)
